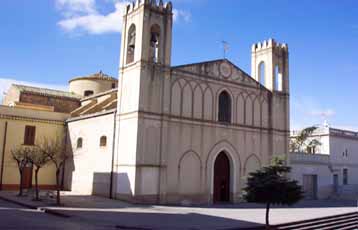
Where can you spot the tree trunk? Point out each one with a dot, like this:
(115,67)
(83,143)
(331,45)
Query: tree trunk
(36,184)
(267,215)
(58,198)
(21,180)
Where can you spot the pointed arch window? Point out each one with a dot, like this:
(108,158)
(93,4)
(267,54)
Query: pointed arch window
(224,107)
(262,73)
(154,43)
(278,79)
(131,44)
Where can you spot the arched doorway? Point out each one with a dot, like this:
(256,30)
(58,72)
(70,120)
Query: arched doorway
(222,178)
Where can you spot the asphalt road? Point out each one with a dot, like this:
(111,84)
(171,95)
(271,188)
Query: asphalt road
(16,217)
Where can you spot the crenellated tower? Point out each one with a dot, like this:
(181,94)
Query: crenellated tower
(144,72)
(269,65)
(146,33)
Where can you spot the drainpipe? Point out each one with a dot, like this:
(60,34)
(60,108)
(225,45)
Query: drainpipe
(3,155)
(113,151)
(65,152)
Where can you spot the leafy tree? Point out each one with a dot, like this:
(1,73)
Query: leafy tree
(39,159)
(271,186)
(301,142)
(21,156)
(55,150)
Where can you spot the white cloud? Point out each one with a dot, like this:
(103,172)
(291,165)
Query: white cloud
(5,84)
(181,15)
(83,16)
(74,7)
(95,23)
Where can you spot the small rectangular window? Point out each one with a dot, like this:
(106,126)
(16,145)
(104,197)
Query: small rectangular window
(29,137)
(345,176)
(88,93)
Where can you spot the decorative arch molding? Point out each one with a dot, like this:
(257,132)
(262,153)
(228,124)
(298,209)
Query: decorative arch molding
(180,81)
(256,111)
(198,101)
(240,108)
(187,153)
(189,173)
(228,90)
(264,112)
(175,92)
(187,96)
(249,104)
(251,157)
(232,101)
(208,103)
(235,166)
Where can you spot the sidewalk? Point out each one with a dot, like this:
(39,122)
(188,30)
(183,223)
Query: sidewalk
(68,199)
(98,210)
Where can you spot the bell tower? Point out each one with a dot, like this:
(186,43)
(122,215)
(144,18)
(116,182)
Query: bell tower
(269,65)
(145,60)
(146,33)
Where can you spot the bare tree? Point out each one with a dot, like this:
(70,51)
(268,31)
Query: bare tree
(39,159)
(55,150)
(21,156)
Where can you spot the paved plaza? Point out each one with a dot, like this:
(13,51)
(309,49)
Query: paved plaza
(90,212)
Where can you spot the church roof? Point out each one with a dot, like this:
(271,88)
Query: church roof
(220,69)
(97,103)
(46,91)
(96,76)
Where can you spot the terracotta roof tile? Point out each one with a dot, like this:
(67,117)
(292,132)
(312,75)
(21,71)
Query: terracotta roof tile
(46,92)
(97,76)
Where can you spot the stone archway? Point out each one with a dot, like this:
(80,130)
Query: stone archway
(235,169)
(221,178)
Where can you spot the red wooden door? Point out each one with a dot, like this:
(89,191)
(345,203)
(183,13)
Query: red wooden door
(27,177)
(222,178)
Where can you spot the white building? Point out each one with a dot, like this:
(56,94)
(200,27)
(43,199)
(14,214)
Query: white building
(187,133)
(172,134)
(331,170)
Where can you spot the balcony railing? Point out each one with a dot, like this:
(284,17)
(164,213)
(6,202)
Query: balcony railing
(309,158)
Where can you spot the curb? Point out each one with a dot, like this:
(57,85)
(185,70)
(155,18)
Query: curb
(45,210)
(19,203)
(54,212)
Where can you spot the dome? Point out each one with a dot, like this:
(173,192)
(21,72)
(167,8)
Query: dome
(92,84)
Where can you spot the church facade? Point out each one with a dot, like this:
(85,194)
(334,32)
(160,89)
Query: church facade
(192,133)
(174,134)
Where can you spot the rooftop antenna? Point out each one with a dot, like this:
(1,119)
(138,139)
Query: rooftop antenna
(226,47)
(325,119)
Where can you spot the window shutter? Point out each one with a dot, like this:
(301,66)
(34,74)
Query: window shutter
(29,137)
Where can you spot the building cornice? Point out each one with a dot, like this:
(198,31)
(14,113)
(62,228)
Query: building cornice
(89,116)
(29,119)
(169,118)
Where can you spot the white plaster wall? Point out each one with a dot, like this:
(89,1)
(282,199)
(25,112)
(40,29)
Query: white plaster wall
(338,145)
(96,85)
(324,177)
(91,164)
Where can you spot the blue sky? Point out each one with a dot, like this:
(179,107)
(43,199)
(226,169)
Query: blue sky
(50,41)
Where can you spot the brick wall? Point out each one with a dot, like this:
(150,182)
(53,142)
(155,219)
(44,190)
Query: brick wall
(61,105)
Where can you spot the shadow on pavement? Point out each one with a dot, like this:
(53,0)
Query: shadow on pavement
(162,221)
